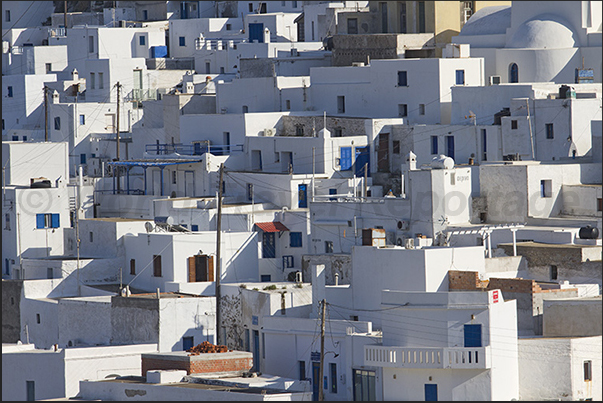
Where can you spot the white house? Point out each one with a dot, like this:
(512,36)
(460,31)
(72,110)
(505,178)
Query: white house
(531,41)
(20,14)
(416,89)
(24,377)
(35,202)
(559,368)
(23,106)
(158,258)
(447,346)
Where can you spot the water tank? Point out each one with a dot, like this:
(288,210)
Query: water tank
(589,232)
(442,162)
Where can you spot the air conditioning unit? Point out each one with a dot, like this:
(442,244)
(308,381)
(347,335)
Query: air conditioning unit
(409,243)
(402,225)
(400,241)
(269,132)
(494,80)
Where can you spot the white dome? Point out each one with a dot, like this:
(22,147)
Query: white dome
(488,21)
(545,31)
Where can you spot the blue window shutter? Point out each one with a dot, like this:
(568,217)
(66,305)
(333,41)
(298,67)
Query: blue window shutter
(82,158)
(473,335)
(345,161)
(55,221)
(39,220)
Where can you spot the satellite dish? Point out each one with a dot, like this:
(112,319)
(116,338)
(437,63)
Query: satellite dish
(148,226)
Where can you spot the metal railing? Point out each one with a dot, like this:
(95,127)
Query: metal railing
(142,94)
(192,149)
(431,358)
(54,32)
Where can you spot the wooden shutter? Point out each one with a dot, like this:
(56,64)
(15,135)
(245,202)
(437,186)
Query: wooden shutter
(210,268)
(192,270)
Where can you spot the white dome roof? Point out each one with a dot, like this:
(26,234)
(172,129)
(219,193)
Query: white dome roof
(544,31)
(488,21)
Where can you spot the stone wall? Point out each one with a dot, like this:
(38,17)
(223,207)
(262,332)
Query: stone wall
(11,310)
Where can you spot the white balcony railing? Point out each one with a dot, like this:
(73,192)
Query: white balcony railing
(428,358)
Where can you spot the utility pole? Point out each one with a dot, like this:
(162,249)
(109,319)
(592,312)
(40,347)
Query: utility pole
(65,16)
(117,137)
(218,262)
(313,169)
(530,127)
(365,179)
(45,113)
(321,369)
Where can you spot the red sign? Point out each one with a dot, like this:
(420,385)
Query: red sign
(495,296)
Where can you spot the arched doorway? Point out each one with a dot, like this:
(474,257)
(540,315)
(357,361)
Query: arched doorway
(513,73)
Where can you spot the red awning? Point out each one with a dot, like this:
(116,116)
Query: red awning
(271,226)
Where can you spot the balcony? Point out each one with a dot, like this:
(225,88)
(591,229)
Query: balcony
(192,149)
(141,94)
(428,358)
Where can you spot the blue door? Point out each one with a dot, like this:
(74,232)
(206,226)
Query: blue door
(345,159)
(431,392)
(303,195)
(315,379)
(256,351)
(473,335)
(362,159)
(450,146)
(268,245)
(256,31)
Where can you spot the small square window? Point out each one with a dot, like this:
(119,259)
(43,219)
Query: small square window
(48,67)
(338,132)
(57,123)
(421,109)
(228,27)
(82,119)
(599,204)
(434,144)
(553,272)
(288,104)
(299,130)
(174,177)
(251,7)
(546,188)
(549,131)
(49,273)
(182,41)
(157,265)
(91,236)
(288,261)
(513,125)
(133,267)
(402,110)
(328,246)
(588,370)
(460,77)
(10,91)
(37,318)
(340,104)
(142,40)
(396,147)
(7,16)
(295,239)
(265,278)
(402,79)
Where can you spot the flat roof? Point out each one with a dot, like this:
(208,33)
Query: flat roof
(197,385)
(532,244)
